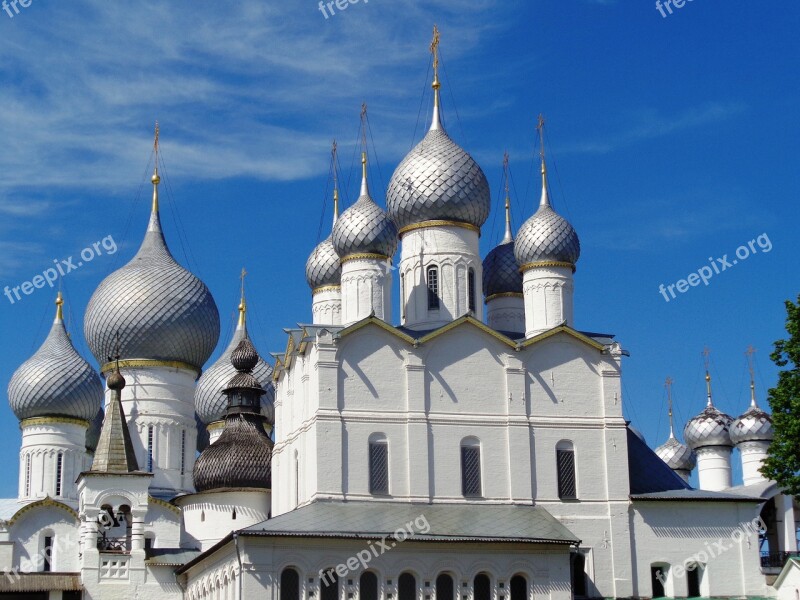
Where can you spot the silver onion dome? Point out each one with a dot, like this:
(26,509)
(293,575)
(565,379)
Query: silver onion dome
(753,426)
(711,427)
(56,380)
(438,180)
(323,266)
(209,400)
(500,270)
(93,433)
(678,457)
(364,228)
(159,310)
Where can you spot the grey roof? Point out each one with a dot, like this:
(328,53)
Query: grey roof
(41,582)
(678,457)
(364,228)
(323,266)
(209,401)
(160,310)
(93,433)
(447,522)
(753,425)
(547,236)
(695,495)
(438,180)
(55,381)
(501,272)
(170,557)
(646,471)
(710,428)
(114,453)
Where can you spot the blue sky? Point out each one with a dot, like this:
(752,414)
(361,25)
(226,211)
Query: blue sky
(672,140)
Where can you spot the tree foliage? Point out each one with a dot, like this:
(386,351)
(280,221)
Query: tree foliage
(783,462)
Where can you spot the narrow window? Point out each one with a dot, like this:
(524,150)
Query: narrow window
(578,573)
(482,587)
(368,586)
(519,588)
(471,289)
(47,555)
(565,462)
(378,468)
(233,514)
(433,288)
(150,448)
(27,475)
(470,469)
(658,577)
(59,472)
(148,543)
(183,451)
(407,587)
(693,580)
(290,584)
(329,584)
(444,587)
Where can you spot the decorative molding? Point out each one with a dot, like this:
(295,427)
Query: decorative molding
(363,256)
(46,502)
(326,288)
(143,363)
(438,223)
(544,264)
(54,420)
(503,295)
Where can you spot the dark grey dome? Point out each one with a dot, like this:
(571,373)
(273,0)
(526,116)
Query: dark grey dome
(209,400)
(323,266)
(56,381)
(501,272)
(93,433)
(160,310)
(438,180)
(753,426)
(678,457)
(547,236)
(364,228)
(710,428)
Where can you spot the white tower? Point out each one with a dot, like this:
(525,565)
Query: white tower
(752,434)
(365,239)
(439,198)
(708,434)
(547,249)
(55,394)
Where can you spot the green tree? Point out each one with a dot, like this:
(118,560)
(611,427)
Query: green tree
(783,462)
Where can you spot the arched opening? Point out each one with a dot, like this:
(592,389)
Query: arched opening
(565,464)
(290,584)
(329,585)
(378,464)
(659,579)
(471,289)
(578,574)
(519,588)
(693,576)
(432,280)
(445,588)
(367,586)
(407,587)
(471,467)
(482,587)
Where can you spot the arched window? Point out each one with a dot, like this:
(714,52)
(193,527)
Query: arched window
(329,585)
(433,288)
(378,465)
(290,584)
(694,575)
(471,289)
(367,586)
(47,553)
(445,589)
(27,475)
(407,587)
(565,463)
(59,472)
(150,436)
(659,575)
(519,588)
(482,587)
(470,467)
(577,566)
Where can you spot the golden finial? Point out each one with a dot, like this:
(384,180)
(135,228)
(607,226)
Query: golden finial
(750,354)
(435,52)
(508,236)
(706,360)
(155,178)
(668,385)
(364,165)
(242,303)
(335,184)
(59,307)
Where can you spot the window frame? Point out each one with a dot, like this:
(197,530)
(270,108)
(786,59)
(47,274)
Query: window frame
(432,283)
(468,487)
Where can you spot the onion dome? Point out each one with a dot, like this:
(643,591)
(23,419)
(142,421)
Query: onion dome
(364,228)
(438,180)
(755,425)
(241,457)
(56,380)
(159,310)
(547,237)
(93,433)
(210,401)
(678,456)
(323,267)
(710,428)
(500,270)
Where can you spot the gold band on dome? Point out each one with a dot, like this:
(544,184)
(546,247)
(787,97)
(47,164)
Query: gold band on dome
(215,425)
(439,223)
(363,256)
(503,295)
(326,288)
(143,363)
(542,264)
(33,421)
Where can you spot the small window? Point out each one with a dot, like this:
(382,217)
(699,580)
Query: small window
(148,543)
(433,288)
(378,467)
(565,461)
(59,472)
(290,584)
(658,580)
(329,584)
(471,469)
(471,289)
(407,587)
(482,587)
(183,451)
(150,449)
(445,587)
(519,588)
(693,573)
(27,475)
(47,555)
(368,586)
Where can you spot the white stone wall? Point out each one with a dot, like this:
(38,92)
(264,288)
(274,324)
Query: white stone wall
(548,295)
(753,455)
(714,468)
(29,531)
(506,313)
(209,517)
(366,289)
(326,305)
